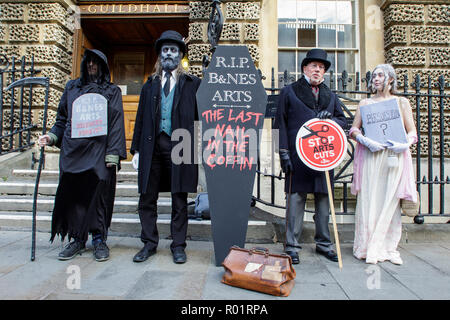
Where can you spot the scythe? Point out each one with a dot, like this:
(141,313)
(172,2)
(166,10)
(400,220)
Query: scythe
(43,81)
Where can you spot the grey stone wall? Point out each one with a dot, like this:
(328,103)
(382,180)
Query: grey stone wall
(416,42)
(241,26)
(43,29)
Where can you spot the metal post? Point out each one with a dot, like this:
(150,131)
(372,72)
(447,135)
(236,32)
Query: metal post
(430,148)
(419,217)
(2,70)
(11,122)
(441,143)
(22,75)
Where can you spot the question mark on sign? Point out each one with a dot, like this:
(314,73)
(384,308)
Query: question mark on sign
(383,127)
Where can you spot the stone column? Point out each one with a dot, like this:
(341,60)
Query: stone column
(416,41)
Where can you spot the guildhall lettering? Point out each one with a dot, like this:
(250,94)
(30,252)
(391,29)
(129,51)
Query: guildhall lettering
(131,8)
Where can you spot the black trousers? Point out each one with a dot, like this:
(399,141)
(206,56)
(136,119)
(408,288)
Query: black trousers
(161,169)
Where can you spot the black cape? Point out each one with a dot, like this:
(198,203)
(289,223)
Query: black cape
(85,195)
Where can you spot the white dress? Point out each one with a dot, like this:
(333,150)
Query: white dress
(378,226)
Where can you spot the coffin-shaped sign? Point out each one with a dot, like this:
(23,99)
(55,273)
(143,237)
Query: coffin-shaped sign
(89,116)
(231,103)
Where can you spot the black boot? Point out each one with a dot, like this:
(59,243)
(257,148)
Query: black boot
(101,251)
(71,250)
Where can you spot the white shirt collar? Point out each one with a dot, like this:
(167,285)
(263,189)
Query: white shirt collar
(309,80)
(173,77)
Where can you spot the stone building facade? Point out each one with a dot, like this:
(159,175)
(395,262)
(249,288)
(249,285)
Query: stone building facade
(44,31)
(413,35)
(416,42)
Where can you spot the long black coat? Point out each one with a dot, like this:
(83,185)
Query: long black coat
(184,176)
(296,106)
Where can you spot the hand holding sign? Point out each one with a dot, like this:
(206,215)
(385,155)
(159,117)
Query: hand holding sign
(373,145)
(321,145)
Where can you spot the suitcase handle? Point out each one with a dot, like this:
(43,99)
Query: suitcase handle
(259,249)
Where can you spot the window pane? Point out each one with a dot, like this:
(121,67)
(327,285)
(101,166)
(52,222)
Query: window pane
(286,35)
(326,12)
(346,36)
(306,34)
(346,61)
(344,11)
(287,10)
(129,72)
(326,80)
(286,61)
(331,57)
(300,56)
(327,35)
(306,10)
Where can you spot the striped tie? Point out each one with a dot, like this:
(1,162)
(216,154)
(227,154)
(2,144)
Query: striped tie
(315,91)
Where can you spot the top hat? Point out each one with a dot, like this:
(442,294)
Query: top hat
(170,36)
(316,55)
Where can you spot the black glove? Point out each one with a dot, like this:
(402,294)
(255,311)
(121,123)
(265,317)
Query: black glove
(285,159)
(324,114)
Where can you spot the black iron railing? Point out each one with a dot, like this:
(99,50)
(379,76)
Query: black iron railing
(16,123)
(349,91)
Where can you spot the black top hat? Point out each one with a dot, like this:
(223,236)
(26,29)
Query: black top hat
(170,36)
(316,55)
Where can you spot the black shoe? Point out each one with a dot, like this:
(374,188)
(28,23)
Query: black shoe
(294,257)
(144,254)
(71,250)
(330,255)
(179,256)
(101,251)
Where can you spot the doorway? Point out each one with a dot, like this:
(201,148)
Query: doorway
(128,44)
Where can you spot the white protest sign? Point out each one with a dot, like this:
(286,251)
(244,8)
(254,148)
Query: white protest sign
(382,121)
(89,116)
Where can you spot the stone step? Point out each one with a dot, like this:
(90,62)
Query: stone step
(49,183)
(54,175)
(127,166)
(129,225)
(49,188)
(45,204)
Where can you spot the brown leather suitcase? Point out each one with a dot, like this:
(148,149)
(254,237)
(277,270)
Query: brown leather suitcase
(257,269)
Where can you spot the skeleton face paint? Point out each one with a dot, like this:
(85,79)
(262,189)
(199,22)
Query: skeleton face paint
(170,56)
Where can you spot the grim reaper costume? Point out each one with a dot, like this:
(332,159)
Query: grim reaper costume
(85,195)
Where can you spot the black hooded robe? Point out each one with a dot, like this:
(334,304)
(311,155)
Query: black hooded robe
(84,199)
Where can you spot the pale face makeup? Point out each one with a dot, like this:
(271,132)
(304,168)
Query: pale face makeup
(170,56)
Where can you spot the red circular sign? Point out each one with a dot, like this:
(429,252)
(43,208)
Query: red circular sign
(321,144)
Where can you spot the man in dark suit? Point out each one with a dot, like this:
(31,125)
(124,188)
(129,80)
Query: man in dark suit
(299,102)
(167,103)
